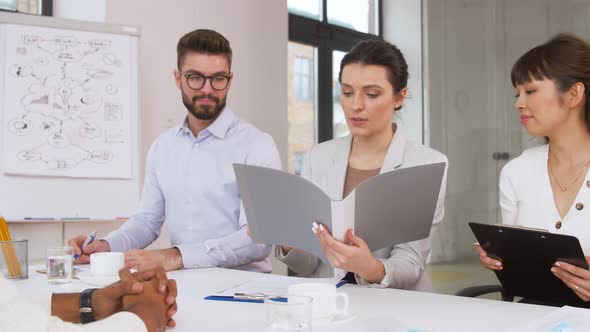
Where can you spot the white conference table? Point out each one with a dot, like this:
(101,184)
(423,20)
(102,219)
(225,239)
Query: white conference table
(371,307)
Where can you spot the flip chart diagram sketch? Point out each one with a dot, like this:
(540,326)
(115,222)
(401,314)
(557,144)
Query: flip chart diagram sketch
(67,103)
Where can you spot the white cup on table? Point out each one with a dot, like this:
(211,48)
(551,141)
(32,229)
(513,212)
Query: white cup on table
(327,302)
(106,264)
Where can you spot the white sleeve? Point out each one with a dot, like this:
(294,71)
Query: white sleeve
(145,224)
(18,313)
(508,199)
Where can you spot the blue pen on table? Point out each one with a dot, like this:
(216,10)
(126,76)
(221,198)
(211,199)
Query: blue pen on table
(88,241)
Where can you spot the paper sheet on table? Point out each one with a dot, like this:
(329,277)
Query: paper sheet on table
(272,285)
(565,319)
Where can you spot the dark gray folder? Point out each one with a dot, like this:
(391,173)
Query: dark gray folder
(388,209)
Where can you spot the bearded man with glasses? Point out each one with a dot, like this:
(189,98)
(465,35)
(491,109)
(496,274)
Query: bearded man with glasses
(190,182)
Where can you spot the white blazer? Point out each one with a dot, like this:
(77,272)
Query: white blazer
(326,165)
(526,198)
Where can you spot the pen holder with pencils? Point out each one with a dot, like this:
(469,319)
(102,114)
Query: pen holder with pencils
(14,258)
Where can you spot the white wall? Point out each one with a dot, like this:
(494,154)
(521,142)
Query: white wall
(85,10)
(402,26)
(257,31)
(472,46)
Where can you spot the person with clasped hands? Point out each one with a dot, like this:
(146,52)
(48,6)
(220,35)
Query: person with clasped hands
(373,77)
(548,186)
(142,301)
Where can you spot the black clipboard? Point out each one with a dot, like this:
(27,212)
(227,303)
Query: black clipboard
(527,256)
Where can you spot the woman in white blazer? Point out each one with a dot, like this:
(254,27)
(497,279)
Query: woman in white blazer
(373,76)
(548,186)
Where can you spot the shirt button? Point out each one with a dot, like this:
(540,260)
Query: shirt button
(588,183)
(558,225)
(579,206)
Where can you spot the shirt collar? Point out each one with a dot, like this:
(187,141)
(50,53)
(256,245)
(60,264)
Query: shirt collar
(219,127)
(183,128)
(222,124)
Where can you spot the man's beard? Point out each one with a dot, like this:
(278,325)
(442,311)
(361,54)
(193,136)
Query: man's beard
(204,112)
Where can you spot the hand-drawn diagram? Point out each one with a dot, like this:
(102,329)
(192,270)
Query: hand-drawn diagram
(66,103)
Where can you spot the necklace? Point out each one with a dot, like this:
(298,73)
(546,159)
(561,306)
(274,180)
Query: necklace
(564,188)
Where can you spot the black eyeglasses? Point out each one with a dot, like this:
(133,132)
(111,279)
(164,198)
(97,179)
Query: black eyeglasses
(197,81)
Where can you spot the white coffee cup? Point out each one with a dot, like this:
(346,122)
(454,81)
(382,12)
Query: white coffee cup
(327,302)
(106,263)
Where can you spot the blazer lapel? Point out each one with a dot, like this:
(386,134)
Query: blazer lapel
(337,175)
(395,153)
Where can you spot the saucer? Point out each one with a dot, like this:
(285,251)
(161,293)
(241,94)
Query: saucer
(101,281)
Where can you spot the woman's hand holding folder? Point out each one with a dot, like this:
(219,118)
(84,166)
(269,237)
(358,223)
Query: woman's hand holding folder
(352,256)
(149,294)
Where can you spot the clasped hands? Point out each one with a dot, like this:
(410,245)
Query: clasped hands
(148,294)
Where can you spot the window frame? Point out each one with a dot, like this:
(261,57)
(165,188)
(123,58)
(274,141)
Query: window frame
(46,7)
(327,37)
(7,9)
(303,93)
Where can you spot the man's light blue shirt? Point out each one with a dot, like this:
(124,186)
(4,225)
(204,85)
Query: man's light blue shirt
(190,184)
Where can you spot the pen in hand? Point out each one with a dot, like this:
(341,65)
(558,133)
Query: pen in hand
(88,241)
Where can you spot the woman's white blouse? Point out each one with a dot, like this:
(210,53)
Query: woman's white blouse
(526,198)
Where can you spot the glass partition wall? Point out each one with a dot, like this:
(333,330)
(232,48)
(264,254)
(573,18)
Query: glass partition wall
(470,47)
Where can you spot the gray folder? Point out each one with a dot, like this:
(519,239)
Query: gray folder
(385,210)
